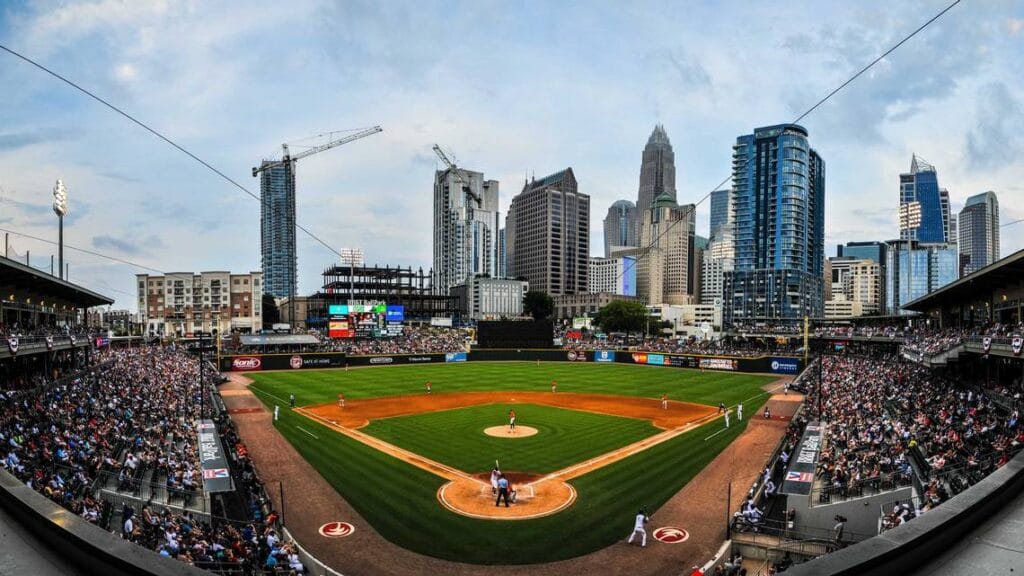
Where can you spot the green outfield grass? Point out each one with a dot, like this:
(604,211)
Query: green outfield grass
(319,386)
(400,500)
(564,437)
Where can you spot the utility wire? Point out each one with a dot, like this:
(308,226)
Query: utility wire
(158,135)
(84,251)
(645,251)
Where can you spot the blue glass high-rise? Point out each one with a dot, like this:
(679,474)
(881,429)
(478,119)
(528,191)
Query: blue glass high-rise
(924,215)
(778,201)
(719,210)
(277,230)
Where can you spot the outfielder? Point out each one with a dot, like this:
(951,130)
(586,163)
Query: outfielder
(639,527)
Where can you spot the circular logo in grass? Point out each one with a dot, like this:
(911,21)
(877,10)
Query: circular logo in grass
(337,530)
(671,535)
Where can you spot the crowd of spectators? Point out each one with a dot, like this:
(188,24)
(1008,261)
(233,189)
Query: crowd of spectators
(880,414)
(411,340)
(746,347)
(20,330)
(132,413)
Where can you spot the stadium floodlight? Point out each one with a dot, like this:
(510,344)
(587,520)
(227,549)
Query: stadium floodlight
(60,208)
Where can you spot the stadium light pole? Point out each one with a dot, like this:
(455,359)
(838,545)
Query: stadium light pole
(60,208)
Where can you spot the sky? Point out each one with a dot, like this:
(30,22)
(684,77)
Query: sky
(512,91)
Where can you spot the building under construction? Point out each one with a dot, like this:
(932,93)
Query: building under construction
(405,287)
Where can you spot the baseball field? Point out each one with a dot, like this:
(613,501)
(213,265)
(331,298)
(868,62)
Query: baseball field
(395,453)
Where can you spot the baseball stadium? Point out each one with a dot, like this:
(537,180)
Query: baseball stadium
(713,394)
(836,448)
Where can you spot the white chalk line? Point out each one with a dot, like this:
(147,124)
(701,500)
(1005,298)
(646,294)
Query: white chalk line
(308,432)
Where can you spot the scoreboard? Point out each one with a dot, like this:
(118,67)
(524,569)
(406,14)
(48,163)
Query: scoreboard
(364,320)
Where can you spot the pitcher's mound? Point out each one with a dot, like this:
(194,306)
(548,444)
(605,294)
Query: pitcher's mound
(504,432)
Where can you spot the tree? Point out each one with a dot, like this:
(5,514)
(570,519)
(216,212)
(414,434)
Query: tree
(538,304)
(271,315)
(622,316)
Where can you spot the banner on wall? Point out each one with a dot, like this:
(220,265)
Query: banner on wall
(604,355)
(717,363)
(455,357)
(784,365)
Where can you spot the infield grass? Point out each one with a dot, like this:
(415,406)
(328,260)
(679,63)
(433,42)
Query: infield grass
(400,500)
(564,437)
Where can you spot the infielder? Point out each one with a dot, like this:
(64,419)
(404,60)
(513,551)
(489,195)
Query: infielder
(511,421)
(664,401)
(428,386)
(554,386)
(341,400)
(639,527)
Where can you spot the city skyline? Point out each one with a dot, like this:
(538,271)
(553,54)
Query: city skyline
(374,195)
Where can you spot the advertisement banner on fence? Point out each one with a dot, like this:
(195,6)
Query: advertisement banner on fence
(216,477)
(800,474)
(246,363)
(576,356)
(657,359)
(785,365)
(455,357)
(717,364)
(639,358)
(604,355)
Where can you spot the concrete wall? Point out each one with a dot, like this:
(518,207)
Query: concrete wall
(862,513)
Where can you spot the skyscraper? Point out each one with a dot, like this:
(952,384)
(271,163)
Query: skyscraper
(547,235)
(666,272)
(657,171)
(924,208)
(915,269)
(465,228)
(876,251)
(277,229)
(778,219)
(719,210)
(979,231)
(620,227)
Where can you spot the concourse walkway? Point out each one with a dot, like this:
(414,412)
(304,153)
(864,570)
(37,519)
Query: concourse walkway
(22,553)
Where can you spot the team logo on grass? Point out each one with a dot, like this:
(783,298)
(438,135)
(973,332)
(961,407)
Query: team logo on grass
(671,535)
(295,362)
(337,530)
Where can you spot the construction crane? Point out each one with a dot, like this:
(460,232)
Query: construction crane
(287,157)
(458,175)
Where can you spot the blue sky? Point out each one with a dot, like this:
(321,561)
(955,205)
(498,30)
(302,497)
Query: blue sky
(512,90)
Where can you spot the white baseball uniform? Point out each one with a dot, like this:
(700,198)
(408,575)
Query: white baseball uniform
(639,528)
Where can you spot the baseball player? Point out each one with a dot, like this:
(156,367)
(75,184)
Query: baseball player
(726,418)
(767,412)
(639,527)
(511,421)
(428,386)
(739,411)
(721,407)
(664,401)
(341,400)
(291,400)
(554,386)
(495,474)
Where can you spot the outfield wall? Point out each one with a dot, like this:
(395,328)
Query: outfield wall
(782,365)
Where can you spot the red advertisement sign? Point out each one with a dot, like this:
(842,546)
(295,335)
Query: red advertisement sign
(245,363)
(574,335)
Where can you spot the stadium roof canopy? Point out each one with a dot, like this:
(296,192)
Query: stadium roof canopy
(17,277)
(277,339)
(996,276)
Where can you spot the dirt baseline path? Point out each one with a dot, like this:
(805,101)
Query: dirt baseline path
(358,413)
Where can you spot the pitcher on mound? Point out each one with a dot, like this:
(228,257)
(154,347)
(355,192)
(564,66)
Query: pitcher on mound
(511,421)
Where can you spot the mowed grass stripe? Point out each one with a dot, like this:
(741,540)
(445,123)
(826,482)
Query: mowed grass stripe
(456,437)
(319,386)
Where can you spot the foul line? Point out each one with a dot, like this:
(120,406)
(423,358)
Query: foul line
(253,388)
(308,432)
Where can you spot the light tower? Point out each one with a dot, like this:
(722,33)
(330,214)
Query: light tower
(60,208)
